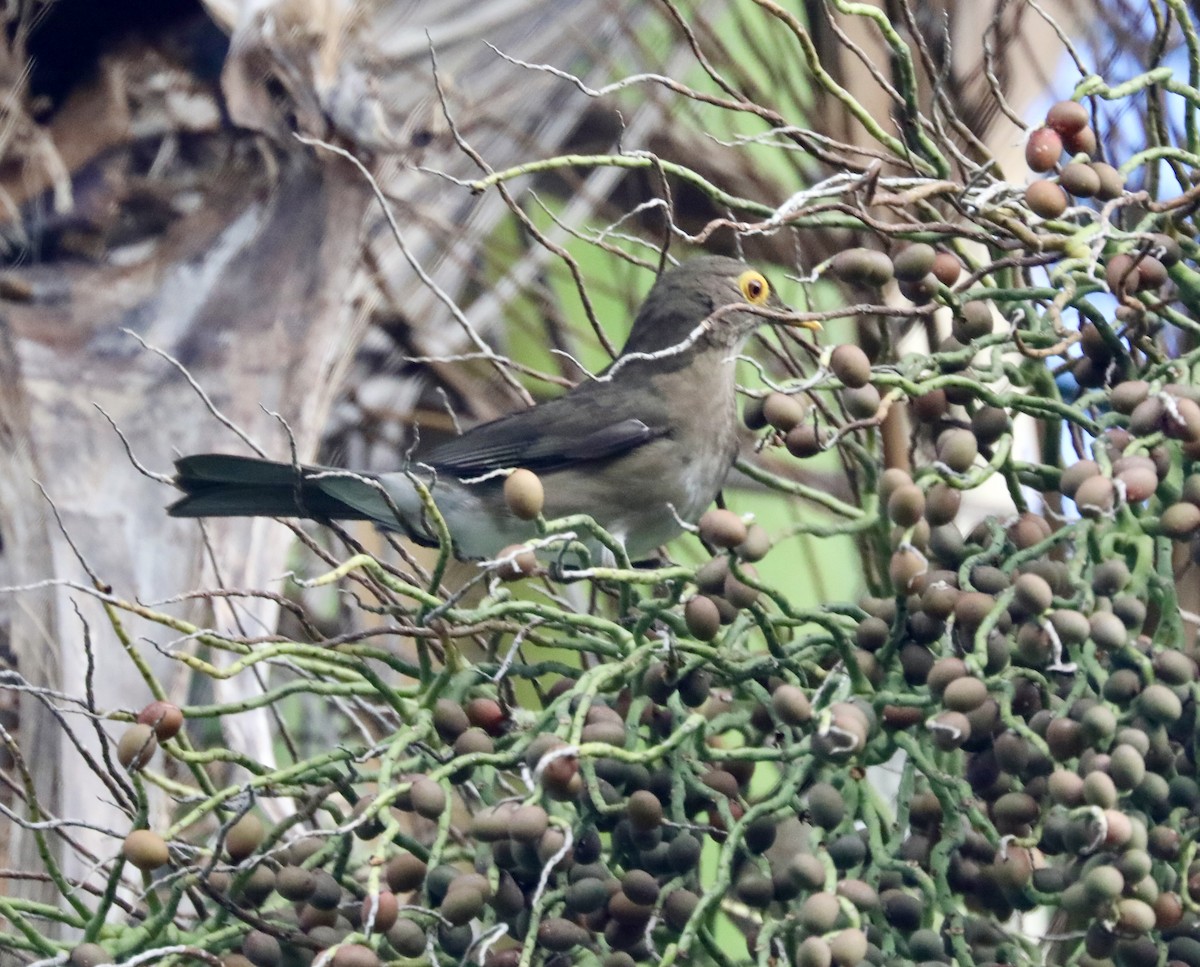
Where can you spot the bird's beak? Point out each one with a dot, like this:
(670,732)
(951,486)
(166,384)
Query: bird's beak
(810,324)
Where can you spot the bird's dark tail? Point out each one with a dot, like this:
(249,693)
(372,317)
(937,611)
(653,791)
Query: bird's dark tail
(222,485)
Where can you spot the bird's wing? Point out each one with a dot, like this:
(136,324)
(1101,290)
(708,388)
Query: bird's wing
(573,429)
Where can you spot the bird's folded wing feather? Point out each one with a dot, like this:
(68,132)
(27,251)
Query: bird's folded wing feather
(549,437)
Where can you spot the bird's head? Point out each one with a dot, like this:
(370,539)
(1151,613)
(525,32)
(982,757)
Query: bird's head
(724,296)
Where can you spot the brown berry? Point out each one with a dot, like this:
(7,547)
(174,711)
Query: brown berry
(166,719)
(428,798)
(861,265)
(645,810)
(722,528)
(1121,273)
(950,730)
(930,407)
(261,949)
(1181,521)
(892,480)
(1075,475)
(1148,416)
(1082,141)
(974,322)
(791,704)
(89,955)
(1067,117)
(515,562)
(405,872)
(922,291)
(145,849)
(957,448)
(1184,422)
(1166,249)
(354,955)
(244,837)
(1128,394)
(739,593)
(941,504)
(1112,182)
(1046,199)
(906,565)
(756,545)
(1152,274)
(408,937)
(1096,496)
(385,907)
(848,947)
(851,365)
(558,934)
(803,441)
(752,414)
(783,411)
(1033,593)
(136,747)
(946,268)
(702,617)
(487,714)
(906,505)
(989,423)
(528,824)
(474,741)
(462,903)
(1140,482)
(964,694)
(1079,179)
(1043,149)
(678,908)
(295,883)
(862,403)
(523,493)
(914,262)
(450,719)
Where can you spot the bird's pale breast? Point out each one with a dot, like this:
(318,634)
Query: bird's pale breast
(673,478)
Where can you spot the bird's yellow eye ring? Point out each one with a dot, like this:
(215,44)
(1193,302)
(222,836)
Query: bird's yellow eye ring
(754,287)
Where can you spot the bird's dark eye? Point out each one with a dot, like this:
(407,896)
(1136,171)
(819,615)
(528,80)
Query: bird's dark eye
(754,287)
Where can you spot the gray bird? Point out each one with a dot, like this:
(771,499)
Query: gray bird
(644,445)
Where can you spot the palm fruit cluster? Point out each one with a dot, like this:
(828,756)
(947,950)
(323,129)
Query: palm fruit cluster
(684,765)
(1034,666)
(683,769)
